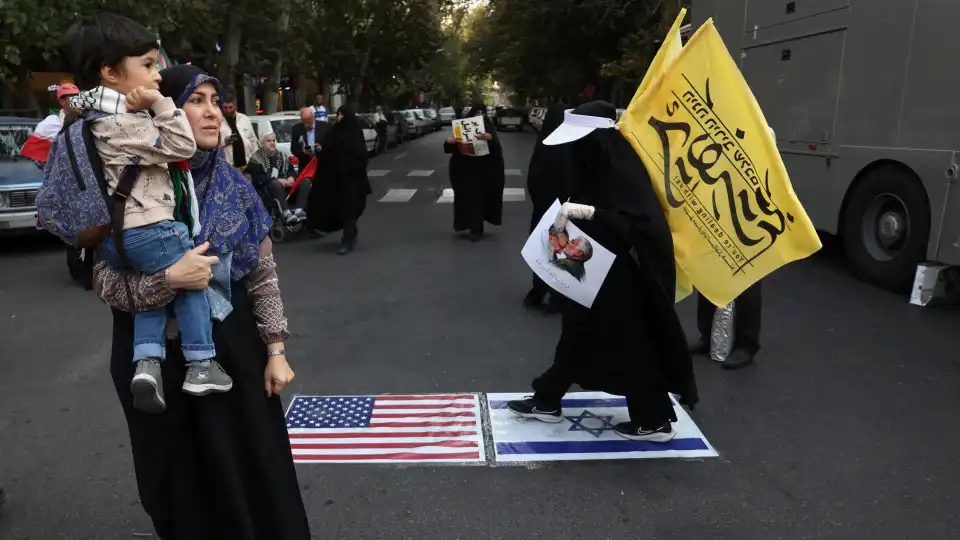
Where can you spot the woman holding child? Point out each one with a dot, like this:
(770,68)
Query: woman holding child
(217,466)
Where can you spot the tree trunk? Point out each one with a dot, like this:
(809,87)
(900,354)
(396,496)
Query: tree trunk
(227,70)
(271,96)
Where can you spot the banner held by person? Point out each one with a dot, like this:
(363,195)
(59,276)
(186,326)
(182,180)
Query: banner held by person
(717,172)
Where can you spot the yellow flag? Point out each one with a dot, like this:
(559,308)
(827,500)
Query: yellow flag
(669,51)
(717,172)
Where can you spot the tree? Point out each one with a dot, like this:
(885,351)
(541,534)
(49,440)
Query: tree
(576,42)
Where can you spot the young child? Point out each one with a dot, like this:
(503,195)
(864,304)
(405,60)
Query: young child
(115,65)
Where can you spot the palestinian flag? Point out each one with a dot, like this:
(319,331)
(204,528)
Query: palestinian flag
(163,61)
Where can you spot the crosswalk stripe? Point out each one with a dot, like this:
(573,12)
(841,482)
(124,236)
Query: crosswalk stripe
(447,196)
(378,172)
(514,194)
(509,195)
(512,172)
(395,195)
(419,173)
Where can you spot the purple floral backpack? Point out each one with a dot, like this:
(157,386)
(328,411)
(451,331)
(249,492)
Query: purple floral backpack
(73,203)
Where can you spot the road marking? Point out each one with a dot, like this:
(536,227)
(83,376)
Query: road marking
(509,195)
(401,156)
(419,173)
(447,196)
(514,195)
(378,172)
(396,195)
(512,172)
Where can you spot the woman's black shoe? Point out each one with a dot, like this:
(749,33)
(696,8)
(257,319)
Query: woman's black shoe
(533,299)
(554,304)
(739,358)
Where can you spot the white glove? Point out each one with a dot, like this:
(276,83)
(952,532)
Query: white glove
(571,210)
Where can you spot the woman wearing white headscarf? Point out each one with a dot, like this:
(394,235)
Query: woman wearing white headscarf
(271,171)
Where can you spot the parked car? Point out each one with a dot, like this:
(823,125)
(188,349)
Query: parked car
(448,115)
(369,133)
(20,177)
(431,115)
(510,117)
(279,123)
(418,124)
(391,128)
(403,126)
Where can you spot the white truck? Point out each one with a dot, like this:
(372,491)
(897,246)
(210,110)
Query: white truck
(863,96)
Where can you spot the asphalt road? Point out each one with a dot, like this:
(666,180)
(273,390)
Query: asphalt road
(844,430)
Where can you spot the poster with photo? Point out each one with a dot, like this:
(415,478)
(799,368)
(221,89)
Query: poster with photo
(466,131)
(567,260)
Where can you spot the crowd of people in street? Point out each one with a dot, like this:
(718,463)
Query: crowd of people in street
(221,466)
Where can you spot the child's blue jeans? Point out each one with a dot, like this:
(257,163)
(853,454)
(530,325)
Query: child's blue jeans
(151,249)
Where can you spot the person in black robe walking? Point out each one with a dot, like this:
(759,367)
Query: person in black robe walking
(630,342)
(548,179)
(339,194)
(477,181)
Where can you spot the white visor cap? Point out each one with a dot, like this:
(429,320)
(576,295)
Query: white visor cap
(577,126)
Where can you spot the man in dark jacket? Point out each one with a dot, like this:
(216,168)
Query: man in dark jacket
(307,137)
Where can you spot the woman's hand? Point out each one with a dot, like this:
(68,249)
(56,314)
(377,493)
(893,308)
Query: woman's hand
(277,375)
(288,182)
(193,271)
(451,140)
(485,136)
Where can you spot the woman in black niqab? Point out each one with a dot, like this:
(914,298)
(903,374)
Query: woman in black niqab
(630,342)
(548,178)
(339,194)
(477,182)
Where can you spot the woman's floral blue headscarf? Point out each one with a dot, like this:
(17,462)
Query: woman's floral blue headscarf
(232,216)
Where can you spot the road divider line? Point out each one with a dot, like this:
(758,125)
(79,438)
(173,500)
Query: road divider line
(378,172)
(401,155)
(512,172)
(416,172)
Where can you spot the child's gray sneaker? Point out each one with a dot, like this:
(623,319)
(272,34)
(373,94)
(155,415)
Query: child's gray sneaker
(147,387)
(205,378)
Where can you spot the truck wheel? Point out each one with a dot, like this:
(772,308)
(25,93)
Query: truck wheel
(886,226)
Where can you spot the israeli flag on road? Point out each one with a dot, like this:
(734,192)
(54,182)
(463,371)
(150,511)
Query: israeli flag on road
(586,432)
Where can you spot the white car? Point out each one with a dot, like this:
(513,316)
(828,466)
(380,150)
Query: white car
(448,115)
(417,123)
(369,133)
(281,124)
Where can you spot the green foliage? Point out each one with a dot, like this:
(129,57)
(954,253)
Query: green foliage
(554,48)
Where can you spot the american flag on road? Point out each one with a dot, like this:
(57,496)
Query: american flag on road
(386,429)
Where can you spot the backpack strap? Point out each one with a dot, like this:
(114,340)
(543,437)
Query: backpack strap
(128,178)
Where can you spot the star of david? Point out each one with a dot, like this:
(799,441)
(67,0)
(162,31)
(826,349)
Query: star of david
(577,421)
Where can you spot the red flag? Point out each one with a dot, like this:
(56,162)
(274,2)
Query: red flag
(308,172)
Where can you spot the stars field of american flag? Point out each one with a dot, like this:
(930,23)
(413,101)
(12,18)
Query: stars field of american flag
(386,429)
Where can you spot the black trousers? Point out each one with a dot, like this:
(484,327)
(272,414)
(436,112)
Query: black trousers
(349,237)
(382,136)
(276,190)
(746,325)
(650,410)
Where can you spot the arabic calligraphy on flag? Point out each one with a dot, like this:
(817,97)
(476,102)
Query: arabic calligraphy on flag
(716,170)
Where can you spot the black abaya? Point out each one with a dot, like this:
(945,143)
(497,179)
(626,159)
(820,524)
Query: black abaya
(548,179)
(217,467)
(339,194)
(630,342)
(477,182)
